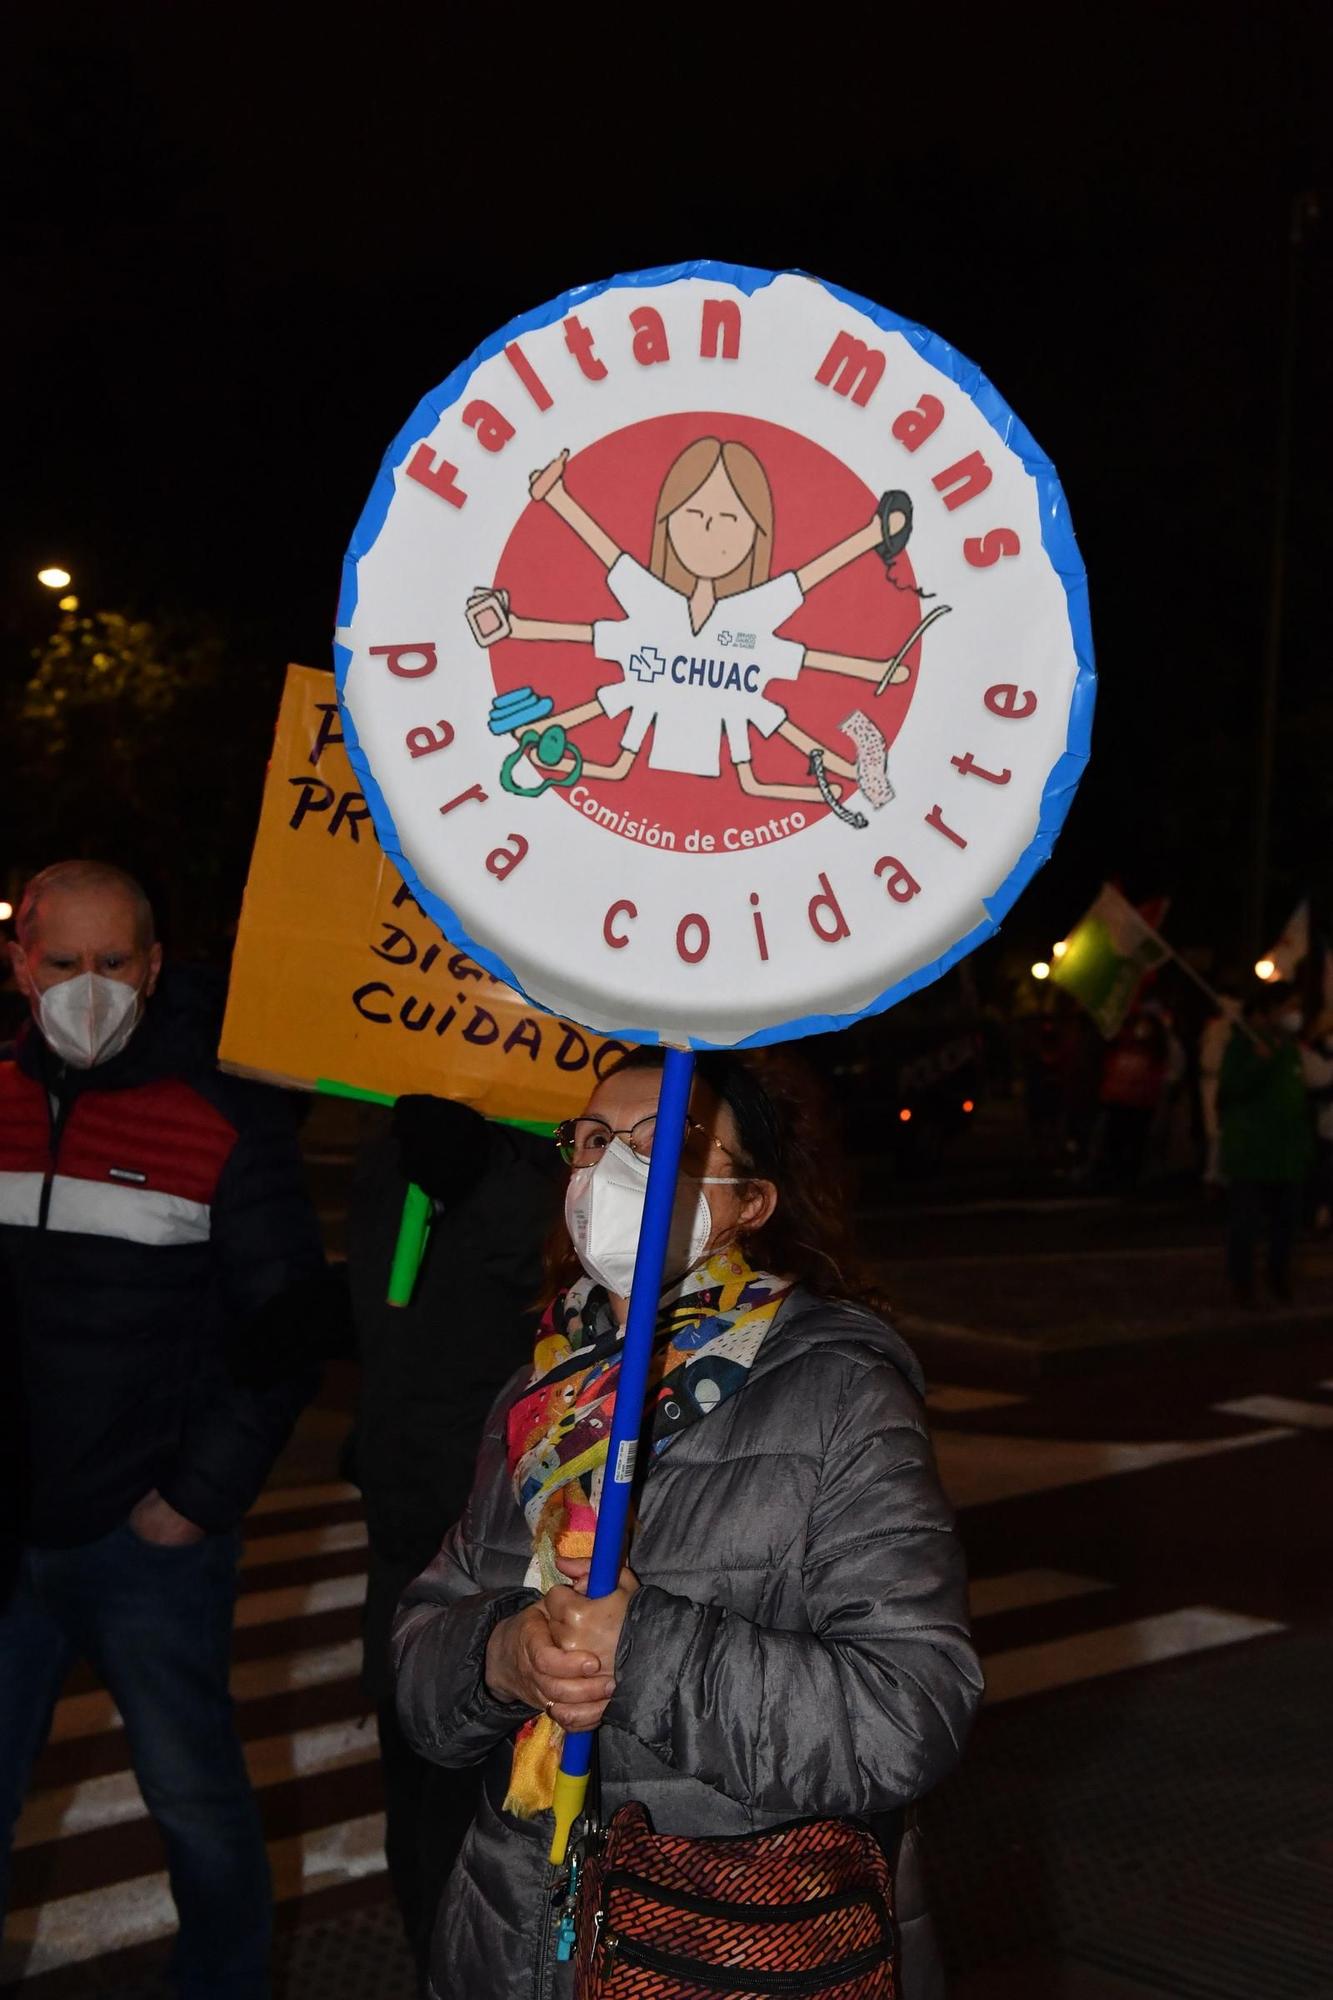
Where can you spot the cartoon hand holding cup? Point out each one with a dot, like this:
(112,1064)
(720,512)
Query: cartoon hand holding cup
(488,615)
(488,612)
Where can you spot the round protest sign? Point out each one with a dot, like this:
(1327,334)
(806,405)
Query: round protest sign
(714,652)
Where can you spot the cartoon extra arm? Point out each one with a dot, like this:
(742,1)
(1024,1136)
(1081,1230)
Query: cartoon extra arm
(885,673)
(519,711)
(549,485)
(822,567)
(549,628)
(569,761)
(570,718)
(588,711)
(887,530)
(490,620)
(847,663)
(805,744)
(761,788)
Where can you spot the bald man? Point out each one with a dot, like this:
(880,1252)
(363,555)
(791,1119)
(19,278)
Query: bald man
(152,1213)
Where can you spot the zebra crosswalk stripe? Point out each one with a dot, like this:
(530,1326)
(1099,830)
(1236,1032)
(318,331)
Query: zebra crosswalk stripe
(283,1673)
(301,1600)
(113,1800)
(1139,1642)
(297,1499)
(334,1540)
(1281,1410)
(70,1929)
(313,1527)
(988,1596)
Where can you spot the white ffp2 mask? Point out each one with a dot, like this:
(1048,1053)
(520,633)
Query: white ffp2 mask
(88,1019)
(604,1214)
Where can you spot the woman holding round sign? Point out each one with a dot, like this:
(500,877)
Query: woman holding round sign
(785,1658)
(789,1639)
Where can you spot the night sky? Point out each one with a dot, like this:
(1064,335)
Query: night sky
(236,254)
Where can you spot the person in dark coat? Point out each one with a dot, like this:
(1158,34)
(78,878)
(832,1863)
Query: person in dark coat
(152,1213)
(1267,1140)
(790,1635)
(430,1372)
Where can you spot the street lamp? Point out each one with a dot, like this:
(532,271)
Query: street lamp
(54,577)
(6,912)
(1041,970)
(1059,950)
(1266,970)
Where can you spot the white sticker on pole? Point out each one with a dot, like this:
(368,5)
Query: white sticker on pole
(627,1453)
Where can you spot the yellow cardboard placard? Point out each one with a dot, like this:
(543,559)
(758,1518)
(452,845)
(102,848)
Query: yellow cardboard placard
(338,977)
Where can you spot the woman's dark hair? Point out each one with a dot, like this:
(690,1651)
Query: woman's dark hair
(786,1135)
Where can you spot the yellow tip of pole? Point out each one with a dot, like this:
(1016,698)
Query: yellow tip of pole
(568,1803)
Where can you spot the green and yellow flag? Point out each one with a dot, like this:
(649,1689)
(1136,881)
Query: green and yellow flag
(1106,956)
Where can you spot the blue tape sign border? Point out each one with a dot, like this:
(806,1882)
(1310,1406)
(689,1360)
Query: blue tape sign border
(1057,535)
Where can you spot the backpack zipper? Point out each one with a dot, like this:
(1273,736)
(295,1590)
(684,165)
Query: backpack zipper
(737,1978)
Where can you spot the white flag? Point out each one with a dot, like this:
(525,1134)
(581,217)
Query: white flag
(1292,948)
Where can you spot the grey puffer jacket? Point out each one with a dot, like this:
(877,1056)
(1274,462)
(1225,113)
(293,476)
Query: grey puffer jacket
(799,1644)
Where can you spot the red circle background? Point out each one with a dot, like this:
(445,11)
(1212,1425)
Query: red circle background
(817,500)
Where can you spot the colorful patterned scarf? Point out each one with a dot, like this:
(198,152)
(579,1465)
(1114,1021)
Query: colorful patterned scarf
(709,1330)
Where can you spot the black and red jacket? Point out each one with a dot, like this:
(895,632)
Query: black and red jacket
(149,1209)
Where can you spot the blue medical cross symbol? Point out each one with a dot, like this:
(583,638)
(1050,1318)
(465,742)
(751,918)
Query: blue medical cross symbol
(648,664)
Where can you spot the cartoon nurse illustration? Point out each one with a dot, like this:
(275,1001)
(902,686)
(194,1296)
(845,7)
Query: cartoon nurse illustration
(698,646)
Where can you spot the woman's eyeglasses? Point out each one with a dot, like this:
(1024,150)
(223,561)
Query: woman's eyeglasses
(582,1141)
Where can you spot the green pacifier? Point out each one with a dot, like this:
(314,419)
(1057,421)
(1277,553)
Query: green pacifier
(549,747)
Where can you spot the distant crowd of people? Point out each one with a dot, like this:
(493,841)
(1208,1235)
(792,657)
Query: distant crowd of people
(1251,1115)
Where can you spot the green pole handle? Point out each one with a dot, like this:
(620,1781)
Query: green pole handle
(413,1236)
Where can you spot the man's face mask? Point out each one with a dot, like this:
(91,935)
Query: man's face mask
(88,1019)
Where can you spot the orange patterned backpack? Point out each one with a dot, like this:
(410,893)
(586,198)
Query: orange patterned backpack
(800,1910)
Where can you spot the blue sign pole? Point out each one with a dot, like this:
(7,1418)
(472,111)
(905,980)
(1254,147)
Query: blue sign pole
(608,1543)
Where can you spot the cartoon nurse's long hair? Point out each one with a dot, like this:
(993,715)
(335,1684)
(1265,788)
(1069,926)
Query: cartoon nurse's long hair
(682,482)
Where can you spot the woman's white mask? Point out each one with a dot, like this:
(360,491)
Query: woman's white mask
(604,1213)
(88,1019)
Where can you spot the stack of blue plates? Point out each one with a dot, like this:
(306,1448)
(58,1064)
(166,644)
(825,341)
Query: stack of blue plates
(517,709)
